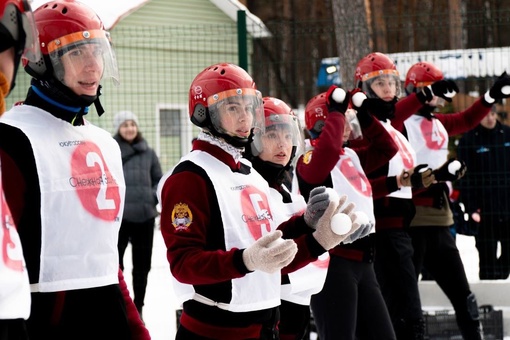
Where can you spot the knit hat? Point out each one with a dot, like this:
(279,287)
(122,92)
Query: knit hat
(121,117)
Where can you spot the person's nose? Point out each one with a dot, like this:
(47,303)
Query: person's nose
(92,62)
(243,115)
(282,142)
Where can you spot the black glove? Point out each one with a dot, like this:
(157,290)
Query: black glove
(380,108)
(499,90)
(418,177)
(450,171)
(337,99)
(359,102)
(445,89)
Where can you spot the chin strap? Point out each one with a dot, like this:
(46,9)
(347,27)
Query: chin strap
(97,103)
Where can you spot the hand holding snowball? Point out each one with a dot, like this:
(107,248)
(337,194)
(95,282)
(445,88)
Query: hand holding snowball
(337,100)
(451,170)
(337,223)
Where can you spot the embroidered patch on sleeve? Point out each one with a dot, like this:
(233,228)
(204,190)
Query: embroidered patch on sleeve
(307,157)
(181,216)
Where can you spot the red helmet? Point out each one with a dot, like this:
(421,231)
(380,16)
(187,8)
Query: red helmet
(316,112)
(422,74)
(277,115)
(216,85)
(65,25)
(374,65)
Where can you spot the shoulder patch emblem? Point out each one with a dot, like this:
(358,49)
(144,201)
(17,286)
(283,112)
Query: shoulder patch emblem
(181,216)
(307,157)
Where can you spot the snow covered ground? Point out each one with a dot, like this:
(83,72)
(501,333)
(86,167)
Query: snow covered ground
(160,306)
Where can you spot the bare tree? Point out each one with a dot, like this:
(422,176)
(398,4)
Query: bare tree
(352,35)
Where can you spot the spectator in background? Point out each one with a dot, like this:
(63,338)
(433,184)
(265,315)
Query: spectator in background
(484,191)
(18,38)
(503,118)
(142,173)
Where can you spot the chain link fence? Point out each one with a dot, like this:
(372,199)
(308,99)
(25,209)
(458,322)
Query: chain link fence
(157,65)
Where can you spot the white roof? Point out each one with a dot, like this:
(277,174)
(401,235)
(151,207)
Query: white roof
(112,11)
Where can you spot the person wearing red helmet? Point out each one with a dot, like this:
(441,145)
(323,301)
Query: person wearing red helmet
(434,246)
(350,305)
(17,38)
(219,217)
(377,75)
(272,153)
(68,207)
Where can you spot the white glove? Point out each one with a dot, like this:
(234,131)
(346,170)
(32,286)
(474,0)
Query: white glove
(269,256)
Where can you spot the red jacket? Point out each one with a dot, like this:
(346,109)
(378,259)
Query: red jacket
(199,256)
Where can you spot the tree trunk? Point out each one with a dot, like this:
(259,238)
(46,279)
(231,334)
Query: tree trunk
(352,35)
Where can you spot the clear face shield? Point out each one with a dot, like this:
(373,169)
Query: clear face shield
(352,129)
(22,30)
(86,54)
(282,134)
(236,112)
(383,84)
(32,52)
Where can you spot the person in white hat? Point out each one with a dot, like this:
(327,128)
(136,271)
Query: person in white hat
(142,172)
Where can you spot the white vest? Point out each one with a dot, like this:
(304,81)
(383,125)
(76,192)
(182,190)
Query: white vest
(82,200)
(349,179)
(310,279)
(405,158)
(247,209)
(14,284)
(429,139)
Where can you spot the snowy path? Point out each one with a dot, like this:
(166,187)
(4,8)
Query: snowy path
(160,306)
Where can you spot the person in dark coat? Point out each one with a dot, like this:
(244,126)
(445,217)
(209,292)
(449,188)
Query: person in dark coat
(142,172)
(484,191)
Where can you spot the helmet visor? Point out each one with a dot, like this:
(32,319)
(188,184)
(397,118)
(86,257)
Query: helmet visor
(281,131)
(84,51)
(236,112)
(31,51)
(352,126)
(382,84)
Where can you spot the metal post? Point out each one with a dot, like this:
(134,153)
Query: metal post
(242,39)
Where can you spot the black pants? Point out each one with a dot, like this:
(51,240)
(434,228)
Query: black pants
(294,320)
(81,314)
(492,231)
(350,305)
(13,329)
(436,250)
(396,274)
(141,236)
